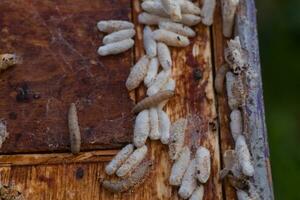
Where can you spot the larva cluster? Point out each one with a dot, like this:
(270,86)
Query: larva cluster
(3,132)
(75,137)
(8,60)
(119,36)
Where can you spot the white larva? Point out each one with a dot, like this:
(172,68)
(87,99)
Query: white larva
(164,126)
(137,73)
(119,159)
(177,137)
(180,166)
(170,38)
(116,47)
(236,123)
(164,56)
(198,193)
(118,36)
(172,8)
(149,19)
(8,60)
(150,45)
(188,7)
(235,91)
(207,11)
(3,132)
(154,7)
(110,26)
(189,182)
(202,159)
(141,128)
(190,20)
(154,125)
(177,28)
(152,72)
(228,12)
(132,161)
(242,195)
(74,131)
(244,156)
(159,82)
(170,85)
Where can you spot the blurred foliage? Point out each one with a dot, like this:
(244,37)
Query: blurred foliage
(279,37)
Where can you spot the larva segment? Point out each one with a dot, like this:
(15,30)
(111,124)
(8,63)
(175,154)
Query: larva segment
(207,12)
(164,126)
(198,193)
(149,19)
(137,73)
(154,7)
(152,101)
(244,156)
(170,38)
(189,182)
(132,161)
(220,78)
(150,45)
(172,8)
(177,28)
(152,72)
(154,125)
(190,20)
(110,26)
(3,132)
(177,138)
(236,123)
(164,56)
(188,7)
(170,85)
(124,184)
(159,82)
(202,159)
(180,166)
(141,128)
(119,159)
(74,131)
(228,12)
(8,60)
(116,47)
(235,91)
(118,36)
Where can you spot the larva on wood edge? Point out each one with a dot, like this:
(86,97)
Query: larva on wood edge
(118,36)
(189,182)
(110,26)
(116,47)
(177,137)
(141,128)
(170,38)
(203,166)
(244,156)
(74,131)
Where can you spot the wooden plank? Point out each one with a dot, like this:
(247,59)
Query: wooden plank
(58,42)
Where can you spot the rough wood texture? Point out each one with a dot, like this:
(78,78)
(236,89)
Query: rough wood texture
(58,42)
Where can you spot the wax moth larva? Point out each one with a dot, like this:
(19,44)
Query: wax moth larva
(189,182)
(110,26)
(231,164)
(228,12)
(220,77)
(74,130)
(236,123)
(188,7)
(244,156)
(124,184)
(149,19)
(152,72)
(154,125)
(118,36)
(180,166)
(235,91)
(164,126)
(170,85)
(150,45)
(170,38)
(119,159)
(3,132)
(137,73)
(154,7)
(177,137)
(132,161)
(198,193)
(190,20)
(172,8)
(177,28)
(141,128)
(164,56)
(8,60)
(202,159)
(160,80)
(152,101)
(116,47)
(207,11)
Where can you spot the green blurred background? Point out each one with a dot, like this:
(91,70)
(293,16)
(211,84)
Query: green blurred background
(279,37)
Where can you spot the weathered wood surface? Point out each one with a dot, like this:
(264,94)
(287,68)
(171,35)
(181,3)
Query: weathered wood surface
(42,176)
(58,41)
